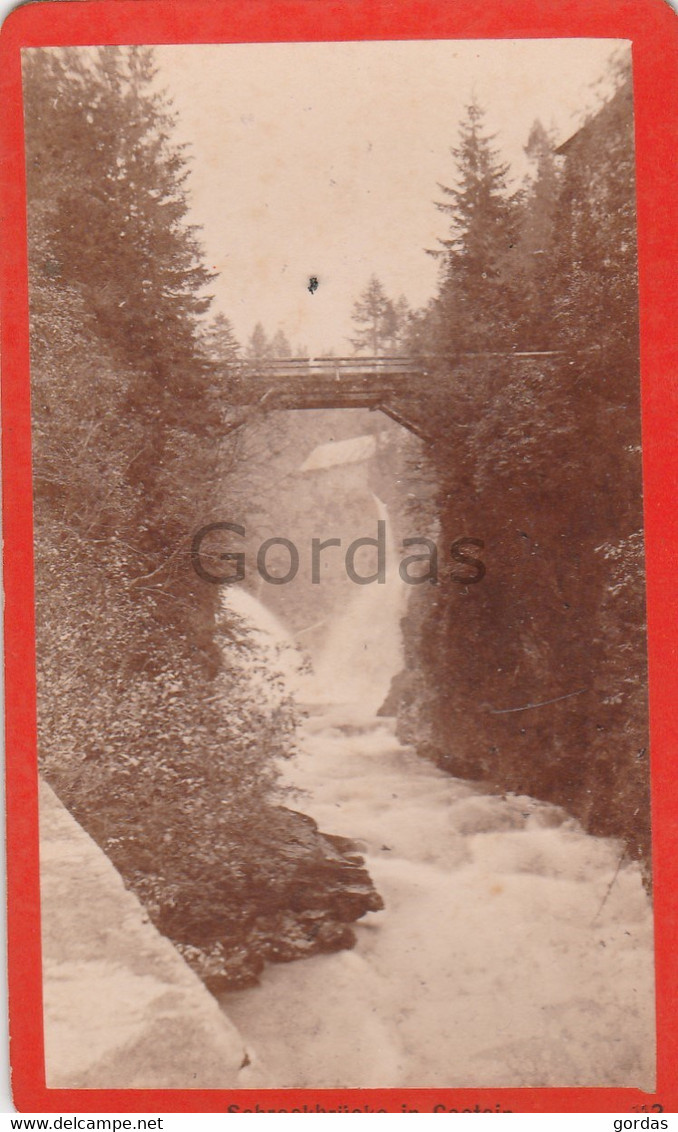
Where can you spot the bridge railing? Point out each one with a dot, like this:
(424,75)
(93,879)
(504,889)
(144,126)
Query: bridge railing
(334,368)
(367,368)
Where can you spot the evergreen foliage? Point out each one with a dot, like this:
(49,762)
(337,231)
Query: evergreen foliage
(534,679)
(261,348)
(381,324)
(156,726)
(536,245)
(596,294)
(371,315)
(280,346)
(476,303)
(258,346)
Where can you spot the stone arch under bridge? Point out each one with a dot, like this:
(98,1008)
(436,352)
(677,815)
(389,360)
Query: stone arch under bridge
(395,385)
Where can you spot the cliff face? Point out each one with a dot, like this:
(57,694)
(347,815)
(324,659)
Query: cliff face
(121,1008)
(534,680)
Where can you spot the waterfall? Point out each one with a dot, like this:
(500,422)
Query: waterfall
(275,652)
(432,994)
(363,648)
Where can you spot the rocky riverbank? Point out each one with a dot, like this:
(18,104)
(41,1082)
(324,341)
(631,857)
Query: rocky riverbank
(306,909)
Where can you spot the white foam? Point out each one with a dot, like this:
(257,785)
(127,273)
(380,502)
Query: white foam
(513,949)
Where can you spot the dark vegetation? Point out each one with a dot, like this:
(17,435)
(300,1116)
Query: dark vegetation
(133,394)
(540,458)
(153,727)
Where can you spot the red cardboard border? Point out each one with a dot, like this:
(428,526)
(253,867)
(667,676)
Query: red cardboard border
(652,27)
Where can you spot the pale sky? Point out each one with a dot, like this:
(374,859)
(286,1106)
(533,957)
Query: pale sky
(323,159)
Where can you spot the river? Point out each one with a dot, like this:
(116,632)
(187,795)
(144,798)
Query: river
(513,949)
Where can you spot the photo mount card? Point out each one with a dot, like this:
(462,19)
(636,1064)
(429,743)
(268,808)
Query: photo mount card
(339,556)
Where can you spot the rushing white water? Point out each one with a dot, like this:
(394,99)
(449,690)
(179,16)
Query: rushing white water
(363,646)
(274,649)
(512,950)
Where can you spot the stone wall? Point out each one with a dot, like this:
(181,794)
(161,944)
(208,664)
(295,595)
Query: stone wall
(121,1008)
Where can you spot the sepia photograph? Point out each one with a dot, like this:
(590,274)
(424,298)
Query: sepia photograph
(339,566)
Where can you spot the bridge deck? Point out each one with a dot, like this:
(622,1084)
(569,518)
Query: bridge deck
(335,369)
(390,383)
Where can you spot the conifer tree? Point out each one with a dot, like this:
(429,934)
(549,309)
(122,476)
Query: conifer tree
(374,318)
(280,346)
(258,345)
(220,343)
(540,456)
(119,203)
(476,307)
(153,718)
(402,317)
(541,195)
(108,205)
(223,355)
(536,247)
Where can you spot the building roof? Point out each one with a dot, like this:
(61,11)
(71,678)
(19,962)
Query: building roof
(355,450)
(597,120)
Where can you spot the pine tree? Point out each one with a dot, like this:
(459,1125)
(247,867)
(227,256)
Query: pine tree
(536,248)
(403,317)
(223,355)
(137,658)
(220,343)
(541,196)
(374,317)
(280,346)
(258,346)
(107,220)
(541,456)
(476,307)
(101,134)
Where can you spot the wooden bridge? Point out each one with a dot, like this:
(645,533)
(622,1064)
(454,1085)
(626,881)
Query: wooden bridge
(375,383)
(393,385)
